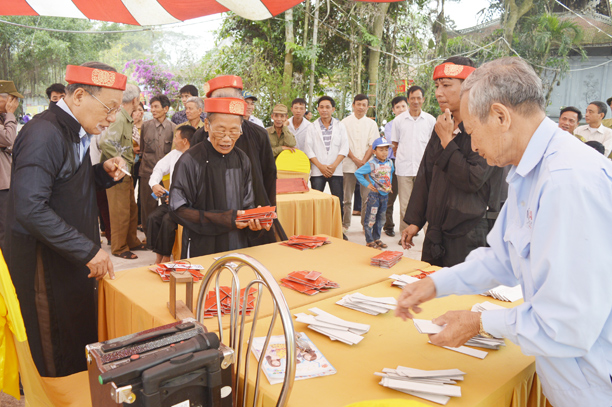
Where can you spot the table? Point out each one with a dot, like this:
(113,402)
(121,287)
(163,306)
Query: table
(505,377)
(136,299)
(310,213)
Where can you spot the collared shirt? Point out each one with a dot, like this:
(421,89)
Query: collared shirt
(155,143)
(315,146)
(188,123)
(117,139)
(361,134)
(388,130)
(601,134)
(411,135)
(299,133)
(181,117)
(277,142)
(8,134)
(80,148)
(553,238)
(164,167)
(255,120)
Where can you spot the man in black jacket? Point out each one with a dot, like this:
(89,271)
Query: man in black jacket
(454,188)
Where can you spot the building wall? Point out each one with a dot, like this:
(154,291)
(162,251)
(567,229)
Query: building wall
(579,88)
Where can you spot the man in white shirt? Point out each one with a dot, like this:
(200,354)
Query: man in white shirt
(326,146)
(160,227)
(594,130)
(250,100)
(410,134)
(361,132)
(297,124)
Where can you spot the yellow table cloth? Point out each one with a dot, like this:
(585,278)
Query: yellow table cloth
(310,213)
(505,378)
(137,299)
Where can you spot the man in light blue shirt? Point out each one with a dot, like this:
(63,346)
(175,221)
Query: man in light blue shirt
(552,237)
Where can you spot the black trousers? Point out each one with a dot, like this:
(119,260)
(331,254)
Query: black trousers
(457,249)
(389,224)
(161,231)
(4,193)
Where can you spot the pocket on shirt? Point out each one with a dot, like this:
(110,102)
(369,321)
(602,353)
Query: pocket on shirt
(520,239)
(167,146)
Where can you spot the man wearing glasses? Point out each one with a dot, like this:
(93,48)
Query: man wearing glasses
(211,185)
(52,243)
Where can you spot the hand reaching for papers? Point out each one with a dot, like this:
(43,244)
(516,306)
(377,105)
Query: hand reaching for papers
(414,295)
(460,327)
(407,236)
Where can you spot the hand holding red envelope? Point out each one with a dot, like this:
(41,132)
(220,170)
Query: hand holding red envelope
(308,282)
(265,215)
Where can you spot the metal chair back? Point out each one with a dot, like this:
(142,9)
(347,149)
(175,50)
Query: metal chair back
(263,281)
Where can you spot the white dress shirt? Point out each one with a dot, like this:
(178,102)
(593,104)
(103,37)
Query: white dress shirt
(300,132)
(315,146)
(255,120)
(361,135)
(411,135)
(164,167)
(601,134)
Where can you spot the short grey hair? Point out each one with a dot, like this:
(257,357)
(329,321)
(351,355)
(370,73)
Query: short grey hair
(227,93)
(510,81)
(130,93)
(197,100)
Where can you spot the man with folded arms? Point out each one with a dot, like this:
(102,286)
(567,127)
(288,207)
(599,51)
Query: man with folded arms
(211,185)
(52,245)
(552,237)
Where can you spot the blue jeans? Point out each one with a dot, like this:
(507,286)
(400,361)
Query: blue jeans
(335,186)
(375,215)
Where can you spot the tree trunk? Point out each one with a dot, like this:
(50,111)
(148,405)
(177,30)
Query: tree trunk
(374,52)
(288,69)
(359,54)
(315,30)
(306,17)
(513,13)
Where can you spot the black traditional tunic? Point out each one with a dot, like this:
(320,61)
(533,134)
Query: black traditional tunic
(255,142)
(206,191)
(52,233)
(452,191)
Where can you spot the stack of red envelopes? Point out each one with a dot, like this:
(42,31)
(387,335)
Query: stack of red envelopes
(265,215)
(307,282)
(164,270)
(386,259)
(306,242)
(210,305)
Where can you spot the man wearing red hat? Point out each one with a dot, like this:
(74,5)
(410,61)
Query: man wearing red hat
(52,245)
(211,185)
(454,188)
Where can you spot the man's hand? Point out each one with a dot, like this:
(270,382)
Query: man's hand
(372,188)
(460,327)
(11,104)
(292,149)
(327,171)
(100,265)
(252,224)
(359,163)
(445,125)
(113,167)
(407,236)
(414,295)
(158,190)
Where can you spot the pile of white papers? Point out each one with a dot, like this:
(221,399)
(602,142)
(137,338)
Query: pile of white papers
(403,279)
(433,385)
(369,305)
(336,328)
(505,293)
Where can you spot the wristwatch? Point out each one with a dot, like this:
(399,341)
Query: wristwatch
(482,332)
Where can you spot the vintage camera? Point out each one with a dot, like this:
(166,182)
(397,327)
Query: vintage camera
(175,365)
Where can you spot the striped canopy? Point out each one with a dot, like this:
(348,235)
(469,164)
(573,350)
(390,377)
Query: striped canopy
(146,12)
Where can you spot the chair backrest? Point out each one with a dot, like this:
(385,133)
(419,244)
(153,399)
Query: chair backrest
(294,161)
(264,282)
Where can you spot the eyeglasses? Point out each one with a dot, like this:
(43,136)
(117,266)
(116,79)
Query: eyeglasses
(109,111)
(220,135)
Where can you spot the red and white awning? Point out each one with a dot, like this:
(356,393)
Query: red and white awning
(145,12)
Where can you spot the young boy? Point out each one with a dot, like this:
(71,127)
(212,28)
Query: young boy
(380,172)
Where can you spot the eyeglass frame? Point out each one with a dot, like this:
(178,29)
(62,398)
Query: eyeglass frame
(109,111)
(225,134)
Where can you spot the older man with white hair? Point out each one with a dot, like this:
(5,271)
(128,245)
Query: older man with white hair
(194,106)
(552,237)
(121,203)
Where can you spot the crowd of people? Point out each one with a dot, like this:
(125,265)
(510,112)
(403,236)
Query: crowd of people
(504,195)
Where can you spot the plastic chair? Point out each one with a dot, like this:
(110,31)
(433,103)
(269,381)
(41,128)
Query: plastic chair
(15,357)
(293,165)
(263,281)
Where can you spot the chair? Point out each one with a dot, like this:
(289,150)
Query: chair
(263,281)
(15,356)
(293,165)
